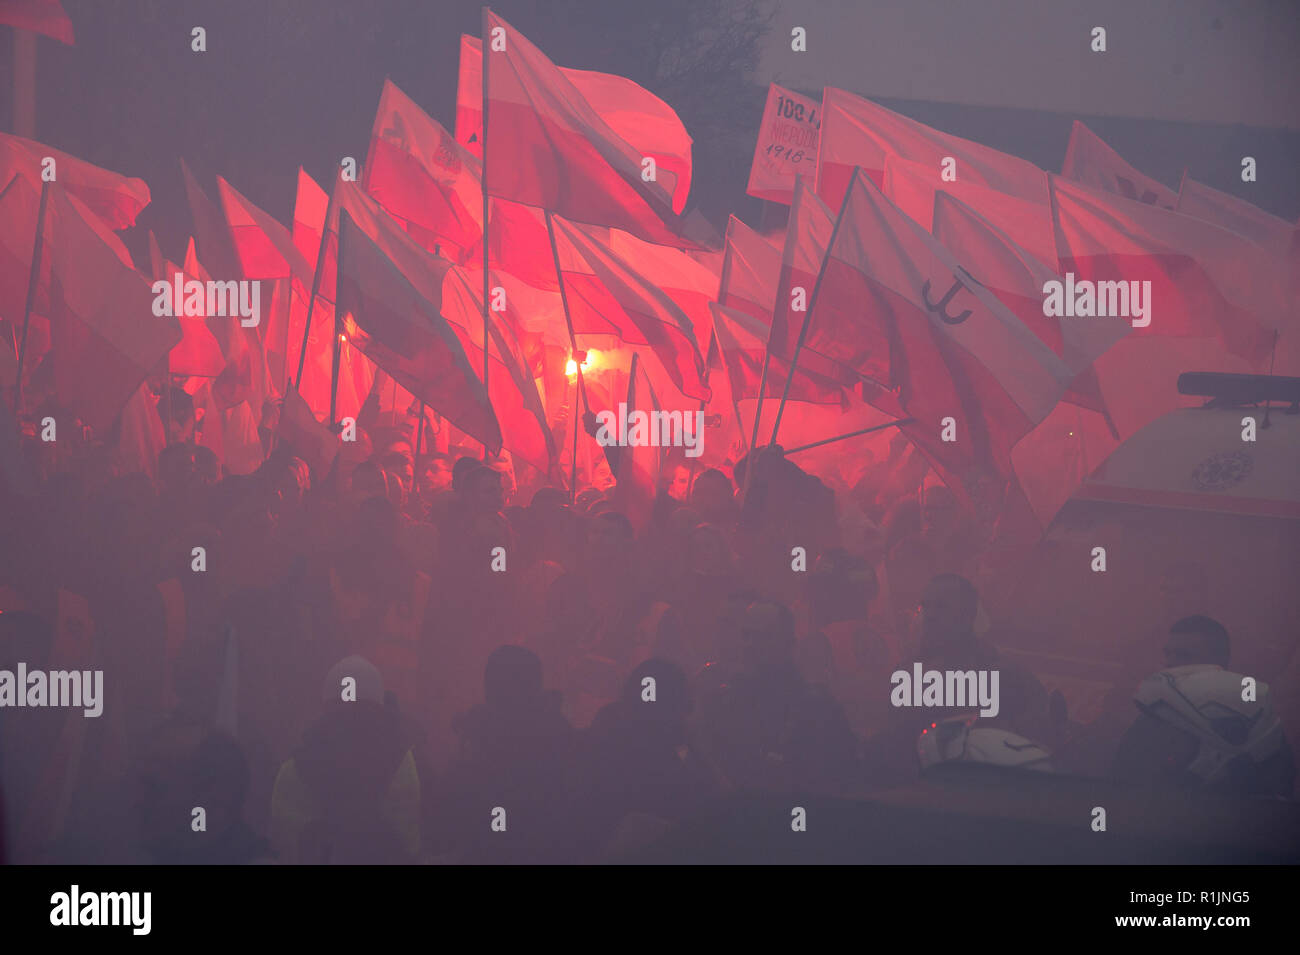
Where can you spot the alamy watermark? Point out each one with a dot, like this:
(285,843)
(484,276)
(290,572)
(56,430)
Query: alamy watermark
(1082,298)
(194,299)
(62,688)
(949,688)
(655,429)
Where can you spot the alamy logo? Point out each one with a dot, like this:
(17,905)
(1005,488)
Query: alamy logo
(83,688)
(195,299)
(656,429)
(955,688)
(102,908)
(1087,299)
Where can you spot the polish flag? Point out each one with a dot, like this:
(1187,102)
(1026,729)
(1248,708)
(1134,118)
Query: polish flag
(690,283)
(607,296)
(742,343)
(1205,281)
(357,373)
(112,197)
(198,353)
(751,270)
(549,147)
(210,232)
(1053,459)
(1088,160)
(807,237)
(38,16)
(953,351)
(524,428)
(1280,237)
(309,207)
(635,114)
(1027,222)
(417,171)
(263,247)
(1016,279)
(104,337)
(638,466)
(858,132)
(395,320)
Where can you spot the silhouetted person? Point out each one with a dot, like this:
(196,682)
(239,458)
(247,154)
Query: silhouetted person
(638,755)
(351,792)
(1199,726)
(506,796)
(767,728)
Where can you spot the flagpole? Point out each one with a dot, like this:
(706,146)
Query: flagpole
(714,341)
(338,324)
(573,468)
(483,181)
(812,302)
(315,281)
(167,397)
(33,280)
(419,435)
(852,434)
(581,387)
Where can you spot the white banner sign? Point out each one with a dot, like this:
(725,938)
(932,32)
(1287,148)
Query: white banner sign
(787,146)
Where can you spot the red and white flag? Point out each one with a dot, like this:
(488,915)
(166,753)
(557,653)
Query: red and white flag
(418,172)
(525,431)
(547,146)
(751,270)
(1027,222)
(1278,236)
(634,113)
(1053,459)
(637,464)
(309,208)
(38,16)
(858,132)
(356,371)
(1016,279)
(959,361)
(115,198)
(1089,160)
(1242,217)
(688,282)
(263,247)
(607,296)
(105,336)
(213,238)
(1196,279)
(395,319)
(198,353)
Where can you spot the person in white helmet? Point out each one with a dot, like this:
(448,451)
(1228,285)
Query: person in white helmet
(1201,725)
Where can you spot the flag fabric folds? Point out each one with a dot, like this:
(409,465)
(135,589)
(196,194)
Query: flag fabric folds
(607,296)
(858,132)
(418,172)
(45,17)
(104,334)
(1090,161)
(513,392)
(1016,279)
(397,324)
(115,198)
(549,147)
(632,112)
(1204,281)
(957,359)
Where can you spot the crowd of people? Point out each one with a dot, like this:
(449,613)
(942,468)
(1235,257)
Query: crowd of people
(414,658)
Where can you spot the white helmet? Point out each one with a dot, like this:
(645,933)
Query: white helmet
(960,739)
(1237,737)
